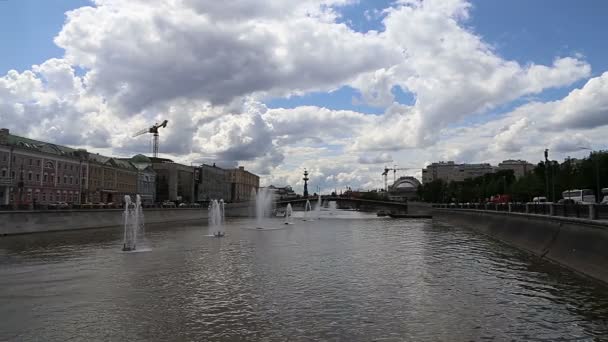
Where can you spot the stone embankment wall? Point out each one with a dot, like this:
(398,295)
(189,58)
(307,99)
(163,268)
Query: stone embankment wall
(578,244)
(24,222)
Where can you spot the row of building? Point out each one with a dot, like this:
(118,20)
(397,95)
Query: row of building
(452,172)
(36,172)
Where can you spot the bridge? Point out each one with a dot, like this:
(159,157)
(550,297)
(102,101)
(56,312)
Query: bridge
(349,203)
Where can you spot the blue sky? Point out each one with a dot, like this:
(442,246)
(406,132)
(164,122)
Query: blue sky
(521,30)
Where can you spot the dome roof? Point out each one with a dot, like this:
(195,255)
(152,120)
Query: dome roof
(140,158)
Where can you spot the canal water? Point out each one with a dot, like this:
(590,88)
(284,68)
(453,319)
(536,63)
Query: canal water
(346,277)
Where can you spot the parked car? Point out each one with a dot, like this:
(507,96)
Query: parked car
(87,205)
(196,205)
(168,204)
(184,205)
(60,205)
(567,201)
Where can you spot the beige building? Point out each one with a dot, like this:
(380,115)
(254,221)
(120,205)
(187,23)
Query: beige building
(241,184)
(519,167)
(452,172)
(109,179)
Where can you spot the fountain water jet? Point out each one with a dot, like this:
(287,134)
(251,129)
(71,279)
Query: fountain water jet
(263,205)
(216,217)
(332,207)
(288,213)
(318,208)
(307,209)
(133,218)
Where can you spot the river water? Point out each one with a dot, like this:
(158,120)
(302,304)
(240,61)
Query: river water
(347,277)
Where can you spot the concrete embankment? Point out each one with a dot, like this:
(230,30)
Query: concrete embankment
(24,222)
(581,245)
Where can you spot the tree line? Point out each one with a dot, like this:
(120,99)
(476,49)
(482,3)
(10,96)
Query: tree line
(546,179)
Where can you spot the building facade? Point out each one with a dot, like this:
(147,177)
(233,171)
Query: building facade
(33,172)
(110,179)
(452,172)
(211,183)
(283,193)
(520,167)
(146,179)
(242,183)
(174,182)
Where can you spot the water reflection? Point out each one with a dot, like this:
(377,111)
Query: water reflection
(354,279)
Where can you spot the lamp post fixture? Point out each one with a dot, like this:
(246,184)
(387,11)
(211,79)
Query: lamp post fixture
(547,173)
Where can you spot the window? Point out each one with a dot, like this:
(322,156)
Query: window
(29,176)
(51,197)
(14,159)
(13,174)
(71,167)
(65,166)
(44,197)
(3,172)
(65,179)
(30,161)
(58,180)
(38,162)
(37,177)
(45,178)
(71,179)
(59,165)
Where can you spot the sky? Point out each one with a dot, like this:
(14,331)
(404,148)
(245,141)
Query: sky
(339,87)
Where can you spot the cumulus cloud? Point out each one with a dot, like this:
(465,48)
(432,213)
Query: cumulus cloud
(451,72)
(138,55)
(377,159)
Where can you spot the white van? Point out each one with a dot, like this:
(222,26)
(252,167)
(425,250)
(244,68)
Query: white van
(584,196)
(605,196)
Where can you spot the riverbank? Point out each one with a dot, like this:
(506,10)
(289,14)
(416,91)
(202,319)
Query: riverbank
(31,221)
(578,244)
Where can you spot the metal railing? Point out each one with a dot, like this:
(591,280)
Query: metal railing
(583,211)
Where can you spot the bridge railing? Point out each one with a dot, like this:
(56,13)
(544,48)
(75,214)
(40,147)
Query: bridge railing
(583,211)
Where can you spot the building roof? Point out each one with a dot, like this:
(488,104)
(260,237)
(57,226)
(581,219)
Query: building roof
(140,158)
(44,147)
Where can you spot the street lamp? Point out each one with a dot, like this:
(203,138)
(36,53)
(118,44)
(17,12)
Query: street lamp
(547,173)
(597,173)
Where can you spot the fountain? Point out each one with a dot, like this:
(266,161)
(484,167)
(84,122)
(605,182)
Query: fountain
(133,218)
(318,208)
(288,213)
(333,206)
(216,218)
(307,209)
(263,206)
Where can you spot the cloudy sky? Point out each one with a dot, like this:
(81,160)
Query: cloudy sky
(341,87)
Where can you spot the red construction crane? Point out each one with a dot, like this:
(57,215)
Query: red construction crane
(153,130)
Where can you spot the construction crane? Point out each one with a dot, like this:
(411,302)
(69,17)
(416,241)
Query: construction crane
(394,169)
(385,175)
(153,130)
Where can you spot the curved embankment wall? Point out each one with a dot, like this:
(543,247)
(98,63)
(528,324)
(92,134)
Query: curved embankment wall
(24,222)
(581,245)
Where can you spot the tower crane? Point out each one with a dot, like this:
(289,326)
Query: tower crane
(394,169)
(385,175)
(153,130)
